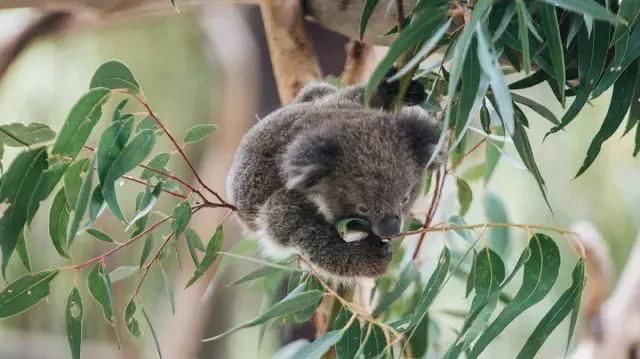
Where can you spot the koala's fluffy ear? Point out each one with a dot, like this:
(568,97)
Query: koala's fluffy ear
(422,133)
(309,159)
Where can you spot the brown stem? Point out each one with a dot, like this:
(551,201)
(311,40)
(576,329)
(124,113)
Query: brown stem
(206,202)
(431,212)
(123,244)
(138,180)
(153,260)
(147,266)
(175,143)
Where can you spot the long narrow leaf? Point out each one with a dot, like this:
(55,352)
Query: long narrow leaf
(540,274)
(568,302)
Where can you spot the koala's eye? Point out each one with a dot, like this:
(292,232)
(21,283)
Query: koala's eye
(405,199)
(363,209)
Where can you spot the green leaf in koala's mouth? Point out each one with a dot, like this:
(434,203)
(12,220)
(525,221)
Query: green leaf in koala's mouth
(352,224)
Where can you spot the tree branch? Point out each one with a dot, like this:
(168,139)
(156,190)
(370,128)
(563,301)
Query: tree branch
(359,63)
(293,56)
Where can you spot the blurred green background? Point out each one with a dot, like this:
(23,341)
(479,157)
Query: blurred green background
(181,75)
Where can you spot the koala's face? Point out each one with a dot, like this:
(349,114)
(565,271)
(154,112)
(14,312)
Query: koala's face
(370,167)
(381,199)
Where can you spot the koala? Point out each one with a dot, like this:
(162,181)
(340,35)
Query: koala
(325,157)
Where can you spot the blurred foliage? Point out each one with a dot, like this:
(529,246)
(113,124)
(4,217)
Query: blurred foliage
(549,41)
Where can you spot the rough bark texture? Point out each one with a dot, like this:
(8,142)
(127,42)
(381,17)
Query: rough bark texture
(359,64)
(292,54)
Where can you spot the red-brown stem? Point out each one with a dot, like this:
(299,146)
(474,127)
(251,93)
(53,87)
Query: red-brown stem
(178,147)
(153,260)
(475,147)
(137,180)
(206,202)
(432,210)
(166,241)
(123,244)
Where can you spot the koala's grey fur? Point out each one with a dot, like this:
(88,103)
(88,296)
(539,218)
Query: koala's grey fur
(325,157)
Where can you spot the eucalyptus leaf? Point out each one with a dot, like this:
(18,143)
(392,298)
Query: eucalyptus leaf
(620,101)
(540,274)
(256,274)
(587,7)
(148,201)
(96,206)
(78,126)
(568,302)
(158,162)
(130,320)
(375,343)
(320,346)
(74,313)
(367,11)
(25,292)
(18,184)
(20,135)
(290,304)
(168,287)
(114,75)
(348,345)
(555,48)
(465,195)
(58,222)
(153,332)
(592,55)
(80,207)
(345,225)
(499,86)
(99,235)
(101,290)
(113,139)
(146,249)
(181,218)
(199,132)
(73,180)
(210,255)
(122,272)
(433,287)
(409,37)
(194,244)
(23,251)
(131,155)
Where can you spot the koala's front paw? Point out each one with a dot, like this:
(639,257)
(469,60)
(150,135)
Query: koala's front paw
(375,255)
(414,95)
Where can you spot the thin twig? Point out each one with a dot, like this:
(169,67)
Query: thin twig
(155,258)
(525,227)
(175,143)
(431,212)
(121,245)
(206,202)
(147,266)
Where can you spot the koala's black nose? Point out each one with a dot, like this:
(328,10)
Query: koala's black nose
(389,226)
